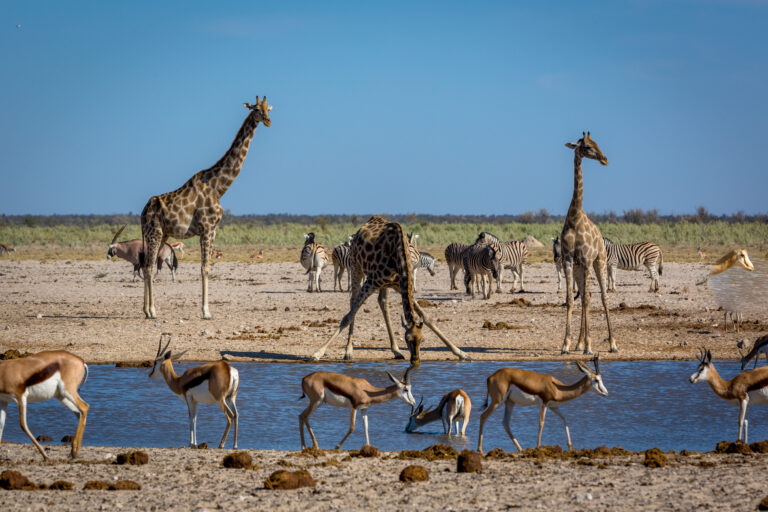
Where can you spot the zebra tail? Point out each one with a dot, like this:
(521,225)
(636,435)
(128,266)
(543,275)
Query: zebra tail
(661,262)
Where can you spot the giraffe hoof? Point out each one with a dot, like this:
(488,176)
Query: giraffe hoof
(587,352)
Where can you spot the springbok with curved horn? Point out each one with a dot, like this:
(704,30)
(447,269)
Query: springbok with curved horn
(521,387)
(745,388)
(40,377)
(210,383)
(353,393)
(454,407)
(759,347)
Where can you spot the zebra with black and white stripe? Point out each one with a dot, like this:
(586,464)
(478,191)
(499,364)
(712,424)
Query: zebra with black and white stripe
(426,261)
(313,258)
(513,257)
(634,257)
(557,256)
(340,259)
(454,258)
(480,262)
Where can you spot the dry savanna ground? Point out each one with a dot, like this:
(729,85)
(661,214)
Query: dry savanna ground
(262,312)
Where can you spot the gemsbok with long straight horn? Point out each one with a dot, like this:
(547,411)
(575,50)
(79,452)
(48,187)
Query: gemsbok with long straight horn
(454,407)
(521,387)
(208,384)
(745,388)
(350,392)
(40,377)
(760,346)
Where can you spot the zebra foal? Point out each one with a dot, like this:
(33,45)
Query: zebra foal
(313,259)
(340,259)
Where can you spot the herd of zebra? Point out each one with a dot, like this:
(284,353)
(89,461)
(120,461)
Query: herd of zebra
(483,262)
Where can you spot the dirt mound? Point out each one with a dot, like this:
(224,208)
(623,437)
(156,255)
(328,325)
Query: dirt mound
(311,451)
(142,364)
(759,446)
(238,460)
(434,452)
(119,485)
(13,481)
(497,453)
(134,458)
(737,447)
(13,354)
(62,485)
(531,242)
(469,462)
(654,458)
(368,451)
(68,439)
(42,438)
(500,325)
(414,474)
(289,480)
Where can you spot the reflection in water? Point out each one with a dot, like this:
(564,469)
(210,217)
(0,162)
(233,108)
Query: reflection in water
(649,404)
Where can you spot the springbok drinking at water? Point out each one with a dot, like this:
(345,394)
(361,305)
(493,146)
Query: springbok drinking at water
(353,393)
(453,407)
(521,387)
(40,377)
(210,383)
(750,386)
(759,347)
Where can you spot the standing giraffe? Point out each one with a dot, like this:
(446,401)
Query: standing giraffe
(583,247)
(194,209)
(380,253)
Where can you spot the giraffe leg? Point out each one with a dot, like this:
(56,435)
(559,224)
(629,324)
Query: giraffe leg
(600,274)
(581,283)
(428,322)
(585,297)
(153,242)
(364,293)
(206,249)
(568,270)
(388,323)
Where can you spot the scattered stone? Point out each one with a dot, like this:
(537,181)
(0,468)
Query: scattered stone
(469,462)
(238,460)
(68,439)
(134,458)
(39,316)
(15,481)
(655,458)
(737,447)
(42,438)
(368,451)
(414,474)
(289,480)
(582,497)
(62,485)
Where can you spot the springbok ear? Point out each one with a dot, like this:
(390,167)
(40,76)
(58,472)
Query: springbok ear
(392,378)
(167,355)
(571,145)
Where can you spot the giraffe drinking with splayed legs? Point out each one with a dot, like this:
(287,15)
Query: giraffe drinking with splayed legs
(194,209)
(583,247)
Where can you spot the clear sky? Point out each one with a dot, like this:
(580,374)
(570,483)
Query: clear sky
(427,107)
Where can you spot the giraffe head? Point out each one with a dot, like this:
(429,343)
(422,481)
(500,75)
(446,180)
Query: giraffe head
(585,147)
(413,337)
(261,110)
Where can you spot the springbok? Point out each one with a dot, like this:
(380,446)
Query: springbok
(353,393)
(453,407)
(750,386)
(701,254)
(7,249)
(210,383)
(178,246)
(760,346)
(728,298)
(521,387)
(40,377)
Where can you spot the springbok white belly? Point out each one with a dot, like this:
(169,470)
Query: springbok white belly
(201,394)
(332,398)
(759,396)
(44,390)
(520,397)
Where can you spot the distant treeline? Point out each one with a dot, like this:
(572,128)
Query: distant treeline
(635,216)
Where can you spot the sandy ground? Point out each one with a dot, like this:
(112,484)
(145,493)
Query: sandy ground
(186,479)
(262,312)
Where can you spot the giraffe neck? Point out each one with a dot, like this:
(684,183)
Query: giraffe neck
(406,281)
(578,184)
(224,172)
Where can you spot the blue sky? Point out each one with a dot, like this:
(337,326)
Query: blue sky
(427,107)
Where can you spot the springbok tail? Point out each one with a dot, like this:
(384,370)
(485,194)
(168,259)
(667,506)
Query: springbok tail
(85,377)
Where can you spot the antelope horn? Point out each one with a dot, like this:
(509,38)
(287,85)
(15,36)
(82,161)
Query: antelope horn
(596,361)
(114,238)
(166,346)
(159,345)
(407,376)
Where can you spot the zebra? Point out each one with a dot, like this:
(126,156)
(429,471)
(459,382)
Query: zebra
(557,256)
(313,258)
(480,262)
(513,257)
(426,261)
(454,258)
(634,257)
(340,258)
(485,238)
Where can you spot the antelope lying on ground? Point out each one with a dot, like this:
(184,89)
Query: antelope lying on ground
(210,383)
(453,407)
(353,393)
(750,386)
(760,346)
(132,251)
(7,249)
(521,387)
(40,377)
